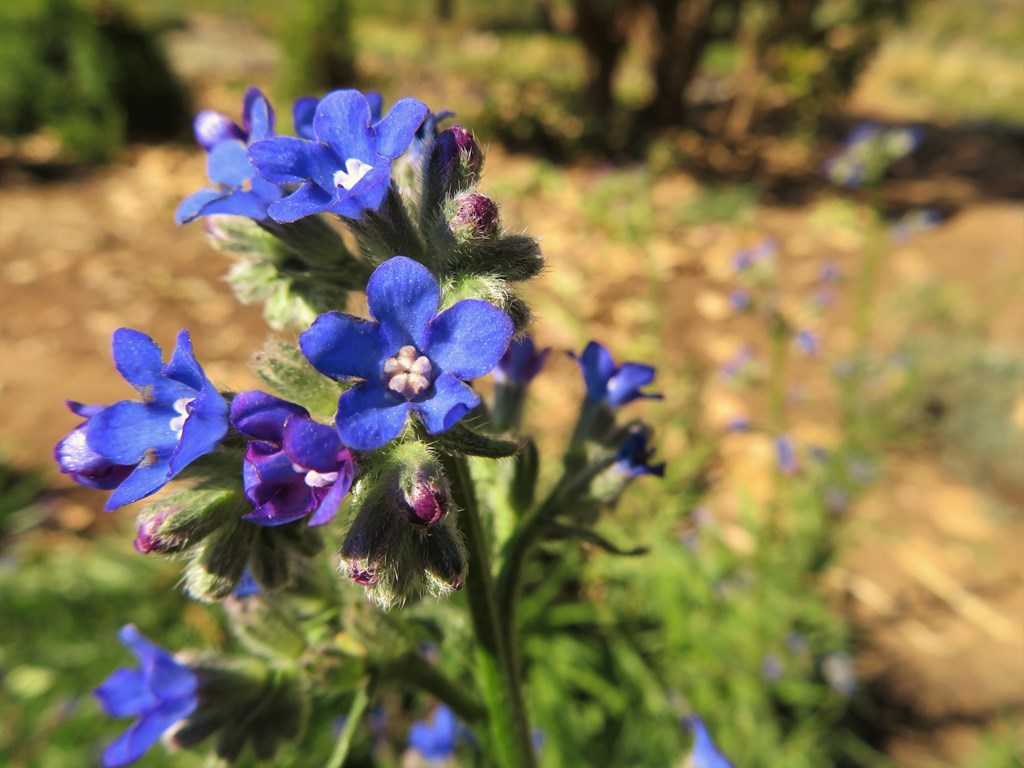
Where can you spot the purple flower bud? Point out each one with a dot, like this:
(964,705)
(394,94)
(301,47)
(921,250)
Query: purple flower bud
(77,459)
(426,500)
(475,216)
(453,145)
(521,362)
(148,539)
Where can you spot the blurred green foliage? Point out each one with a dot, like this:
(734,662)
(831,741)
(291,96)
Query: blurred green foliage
(317,47)
(88,73)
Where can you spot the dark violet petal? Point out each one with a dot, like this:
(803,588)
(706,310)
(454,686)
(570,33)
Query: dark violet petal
(125,693)
(211,128)
(598,367)
(268,474)
(331,501)
(302,117)
(369,416)
(311,445)
(125,431)
(447,402)
(183,365)
(228,164)
(145,480)
(260,415)
(468,339)
(288,503)
(257,115)
(342,121)
(307,200)
(396,130)
(341,346)
(624,386)
(376,102)
(403,296)
(288,160)
(195,205)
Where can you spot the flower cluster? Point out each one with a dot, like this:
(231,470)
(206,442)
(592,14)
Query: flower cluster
(868,152)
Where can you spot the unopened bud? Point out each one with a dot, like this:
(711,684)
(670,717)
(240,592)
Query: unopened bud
(426,498)
(475,216)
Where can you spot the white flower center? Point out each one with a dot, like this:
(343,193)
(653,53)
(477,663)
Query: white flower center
(408,372)
(181,408)
(316,479)
(354,171)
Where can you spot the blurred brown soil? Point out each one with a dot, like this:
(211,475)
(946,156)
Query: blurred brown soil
(932,576)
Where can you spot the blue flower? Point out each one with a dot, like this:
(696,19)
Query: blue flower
(181,418)
(807,342)
(294,467)
(521,362)
(704,753)
(633,456)
(435,740)
(237,189)
(247,586)
(161,693)
(411,360)
(347,168)
(612,384)
(785,455)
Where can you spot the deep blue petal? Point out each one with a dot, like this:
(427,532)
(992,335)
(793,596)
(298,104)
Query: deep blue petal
(342,121)
(329,504)
(307,200)
(211,128)
(194,206)
(624,386)
(262,416)
(228,163)
(206,425)
(403,296)
(183,365)
(126,431)
(288,160)
(145,480)
(468,339)
(139,360)
(143,734)
(446,402)
(302,117)
(240,203)
(311,445)
(598,367)
(369,416)
(376,102)
(396,131)
(367,194)
(340,346)
(125,693)
(257,116)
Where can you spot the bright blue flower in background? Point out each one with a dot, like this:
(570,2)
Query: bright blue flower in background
(634,454)
(77,459)
(521,362)
(612,384)
(237,188)
(160,693)
(704,754)
(294,467)
(411,360)
(435,740)
(786,455)
(807,342)
(181,418)
(347,168)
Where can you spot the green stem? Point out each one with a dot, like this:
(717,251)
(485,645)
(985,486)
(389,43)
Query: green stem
(412,669)
(355,714)
(496,668)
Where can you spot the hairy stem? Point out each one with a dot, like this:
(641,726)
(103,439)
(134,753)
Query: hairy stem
(427,677)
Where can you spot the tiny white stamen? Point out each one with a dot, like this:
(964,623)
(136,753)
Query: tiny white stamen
(316,479)
(354,171)
(178,422)
(408,372)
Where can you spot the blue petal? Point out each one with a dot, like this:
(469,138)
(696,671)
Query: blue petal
(468,339)
(145,480)
(376,102)
(332,500)
(211,128)
(239,203)
(139,360)
(342,121)
(705,753)
(403,296)
(340,346)
(448,402)
(125,431)
(396,131)
(598,367)
(624,386)
(288,160)
(369,416)
(307,200)
(257,115)
(183,365)
(206,424)
(368,194)
(262,416)
(302,117)
(143,734)
(311,445)
(193,206)
(228,164)
(125,693)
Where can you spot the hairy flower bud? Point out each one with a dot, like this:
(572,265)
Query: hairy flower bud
(426,498)
(474,216)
